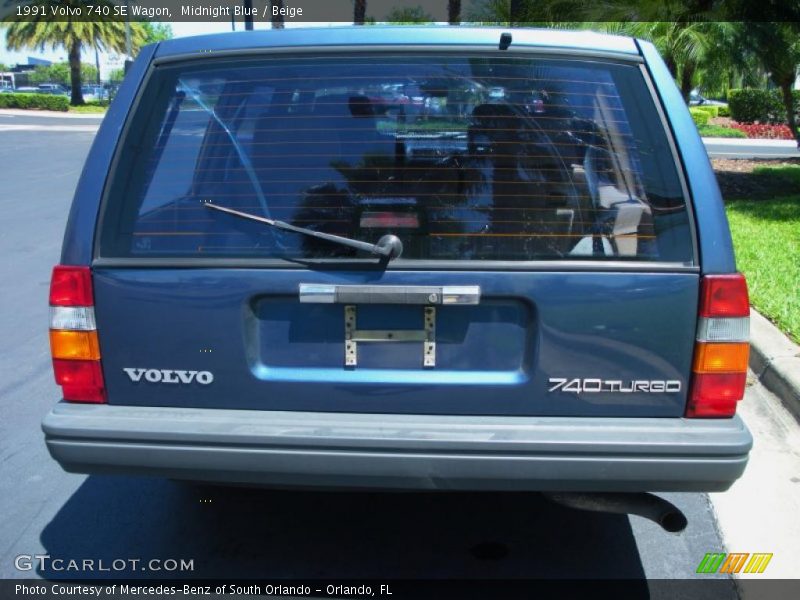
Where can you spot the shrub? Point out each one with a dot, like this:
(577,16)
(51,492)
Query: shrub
(765,131)
(759,106)
(724,111)
(700,117)
(713,111)
(34,101)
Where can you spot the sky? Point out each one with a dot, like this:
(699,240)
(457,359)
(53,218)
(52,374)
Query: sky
(375,8)
(114,61)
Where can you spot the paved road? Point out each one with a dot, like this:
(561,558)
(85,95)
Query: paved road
(742,148)
(238,532)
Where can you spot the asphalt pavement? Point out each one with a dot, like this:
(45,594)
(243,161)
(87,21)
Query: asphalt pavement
(259,533)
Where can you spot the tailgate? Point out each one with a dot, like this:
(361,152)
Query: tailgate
(544,343)
(546,185)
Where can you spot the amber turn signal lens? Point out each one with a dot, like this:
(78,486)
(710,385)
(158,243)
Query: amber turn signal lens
(74,345)
(721,358)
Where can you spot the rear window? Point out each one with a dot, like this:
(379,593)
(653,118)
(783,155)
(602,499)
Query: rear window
(462,156)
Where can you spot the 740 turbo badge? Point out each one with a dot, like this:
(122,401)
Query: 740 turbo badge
(594,386)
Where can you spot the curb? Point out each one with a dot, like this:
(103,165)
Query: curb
(775,360)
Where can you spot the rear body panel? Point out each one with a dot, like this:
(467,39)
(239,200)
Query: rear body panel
(268,351)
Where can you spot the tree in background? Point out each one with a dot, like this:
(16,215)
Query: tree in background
(684,45)
(725,66)
(717,45)
(105,33)
(116,75)
(689,34)
(156,32)
(277,19)
(685,32)
(777,48)
(527,13)
(359,12)
(453,12)
(517,11)
(490,11)
(60,73)
(408,16)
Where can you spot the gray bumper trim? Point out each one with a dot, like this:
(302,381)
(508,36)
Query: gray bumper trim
(400,451)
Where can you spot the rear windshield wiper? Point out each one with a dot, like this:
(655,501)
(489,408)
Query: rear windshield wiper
(388,247)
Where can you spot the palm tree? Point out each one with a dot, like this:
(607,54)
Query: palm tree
(776,45)
(453,12)
(517,10)
(684,33)
(359,11)
(43,31)
(529,13)
(408,15)
(248,17)
(277,19)
(684,46)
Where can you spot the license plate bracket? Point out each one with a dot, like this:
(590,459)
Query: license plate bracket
(353,336)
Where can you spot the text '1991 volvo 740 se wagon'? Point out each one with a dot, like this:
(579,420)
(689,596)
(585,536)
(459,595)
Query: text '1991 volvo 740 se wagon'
(402,258)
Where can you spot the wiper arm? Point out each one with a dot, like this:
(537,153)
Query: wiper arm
(389,246)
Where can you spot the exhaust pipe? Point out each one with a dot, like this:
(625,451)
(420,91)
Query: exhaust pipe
(643,504)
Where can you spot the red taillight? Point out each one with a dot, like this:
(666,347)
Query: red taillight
(715,394)
(721,349)
(71,286)
(724,296)
(80,380)
(73,335)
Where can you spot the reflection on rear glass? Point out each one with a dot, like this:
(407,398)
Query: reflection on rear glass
(463,157)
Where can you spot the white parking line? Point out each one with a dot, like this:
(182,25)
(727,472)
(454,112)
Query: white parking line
(63,128)
(47,114)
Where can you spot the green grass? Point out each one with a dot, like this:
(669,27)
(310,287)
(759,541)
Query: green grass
(790,174)
(720,131)
(88,108)
(766,235)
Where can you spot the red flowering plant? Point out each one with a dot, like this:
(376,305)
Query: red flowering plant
(764,131)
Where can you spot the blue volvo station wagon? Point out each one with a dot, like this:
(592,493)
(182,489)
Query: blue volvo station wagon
(402,258)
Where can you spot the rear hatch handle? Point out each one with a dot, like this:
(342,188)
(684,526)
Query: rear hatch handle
(390,294)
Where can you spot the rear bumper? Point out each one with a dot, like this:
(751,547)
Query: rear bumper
(400,451)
